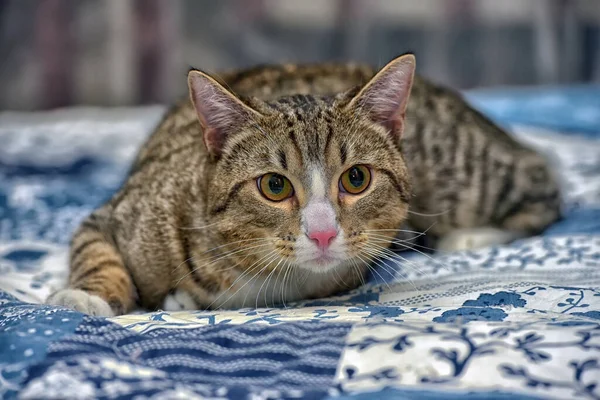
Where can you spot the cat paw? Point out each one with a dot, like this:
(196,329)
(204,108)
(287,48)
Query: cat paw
(179,301)
(475,238)
(81,301)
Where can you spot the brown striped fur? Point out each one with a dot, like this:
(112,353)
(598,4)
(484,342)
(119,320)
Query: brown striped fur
(192,219)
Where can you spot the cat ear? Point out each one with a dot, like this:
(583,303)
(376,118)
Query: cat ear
(220,112)
(385,96)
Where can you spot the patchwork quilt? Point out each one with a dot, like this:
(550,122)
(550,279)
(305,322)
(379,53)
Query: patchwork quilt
(518,321)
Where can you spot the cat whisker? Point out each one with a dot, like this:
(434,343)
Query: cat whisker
(197,228)
(335,277)
(383,282)
(277,280)
(215,259)
(379,257)
(356,269)
(180,264)
(394,254)
(266,239)
(392,272)
(406,278)
(400,242)
(241,262)
(434,260)
(221,246)
(289,272)
(391,240)
(233,252)
(394,257)
(266,260)
(219,258)
(341,279)
(293,273)
(306,275)
(287,266)
(266,282)
(368,265)
(269,256)
(266,265)
(431,215)
(405,243)
(402,231)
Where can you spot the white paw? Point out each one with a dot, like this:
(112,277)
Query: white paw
(475,238)
(179,301)
(81,301)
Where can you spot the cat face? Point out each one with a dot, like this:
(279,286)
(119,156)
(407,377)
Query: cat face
(313,182)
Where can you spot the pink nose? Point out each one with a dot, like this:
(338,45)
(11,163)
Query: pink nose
(323,238)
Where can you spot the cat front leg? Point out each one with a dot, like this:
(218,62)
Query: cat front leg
(99,283)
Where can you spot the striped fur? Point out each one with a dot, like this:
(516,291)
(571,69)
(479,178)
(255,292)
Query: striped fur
(191,219)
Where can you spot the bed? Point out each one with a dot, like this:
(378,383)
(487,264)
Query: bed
(517,321)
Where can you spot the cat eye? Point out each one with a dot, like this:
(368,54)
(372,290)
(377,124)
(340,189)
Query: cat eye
(275,187)
(355,180)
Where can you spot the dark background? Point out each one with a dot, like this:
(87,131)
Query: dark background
(56,53)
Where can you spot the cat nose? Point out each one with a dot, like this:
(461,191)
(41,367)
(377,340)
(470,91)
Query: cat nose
(323,238)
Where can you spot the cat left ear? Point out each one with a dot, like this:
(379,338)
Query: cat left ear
(219,111)
(385,96)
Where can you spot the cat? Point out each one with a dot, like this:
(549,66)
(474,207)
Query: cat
(283,182)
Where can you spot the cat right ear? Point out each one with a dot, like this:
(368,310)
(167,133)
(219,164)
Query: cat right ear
(219,111)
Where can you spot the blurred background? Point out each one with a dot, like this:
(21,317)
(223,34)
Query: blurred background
(57,53)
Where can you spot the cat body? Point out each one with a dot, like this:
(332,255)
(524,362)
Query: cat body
(289,189)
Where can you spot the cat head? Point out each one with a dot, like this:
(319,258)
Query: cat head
(313,182)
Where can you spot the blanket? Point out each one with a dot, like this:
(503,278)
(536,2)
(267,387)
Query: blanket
(519,321)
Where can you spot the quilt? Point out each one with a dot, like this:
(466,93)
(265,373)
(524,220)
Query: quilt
(517,321)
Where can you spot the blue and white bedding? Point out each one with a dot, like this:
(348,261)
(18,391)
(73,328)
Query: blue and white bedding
(519,321)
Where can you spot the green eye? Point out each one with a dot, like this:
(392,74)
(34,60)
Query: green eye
(275,187)
(355,180)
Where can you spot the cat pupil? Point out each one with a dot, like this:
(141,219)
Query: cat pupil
(356,177)
(276,184)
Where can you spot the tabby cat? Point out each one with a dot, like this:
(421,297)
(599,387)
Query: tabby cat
(282,183)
